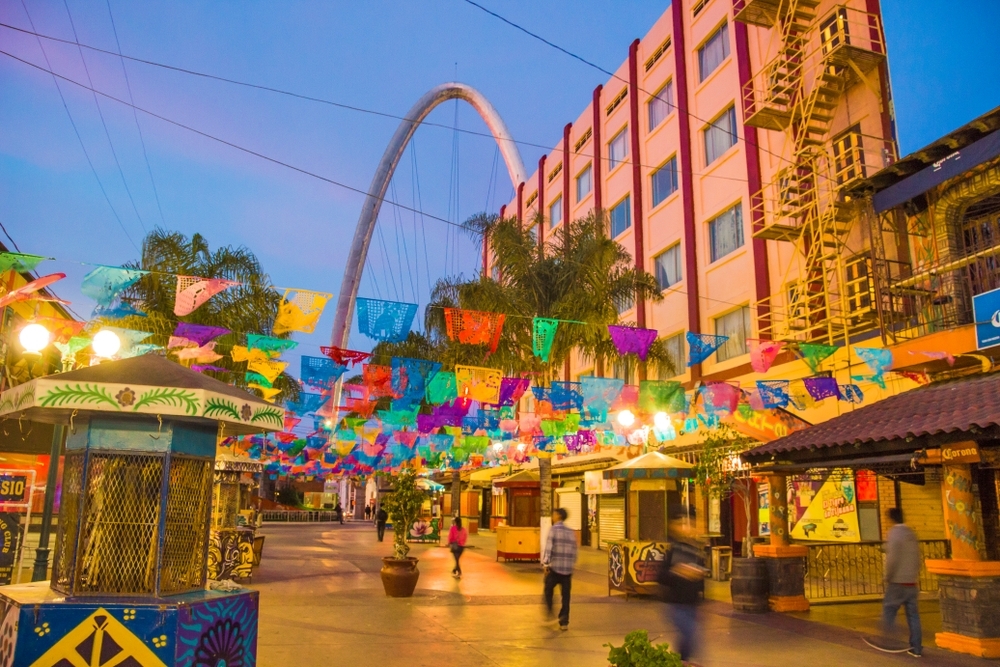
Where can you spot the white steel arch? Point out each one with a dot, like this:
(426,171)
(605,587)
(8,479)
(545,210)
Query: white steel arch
(380,184)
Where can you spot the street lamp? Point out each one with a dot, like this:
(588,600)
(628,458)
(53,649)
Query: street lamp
(626,418)
(661,421)
(106,343)
(34,337)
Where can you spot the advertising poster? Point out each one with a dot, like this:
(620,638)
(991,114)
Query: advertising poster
(825,508)
(764,508)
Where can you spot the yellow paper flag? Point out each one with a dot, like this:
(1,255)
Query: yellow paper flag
(479,384)
(300,311)
(269,369)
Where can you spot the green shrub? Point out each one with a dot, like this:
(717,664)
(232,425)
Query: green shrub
(403,506)
(639,652)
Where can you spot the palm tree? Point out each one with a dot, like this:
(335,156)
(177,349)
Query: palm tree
(247,308)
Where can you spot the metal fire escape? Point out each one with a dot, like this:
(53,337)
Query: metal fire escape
(819,57)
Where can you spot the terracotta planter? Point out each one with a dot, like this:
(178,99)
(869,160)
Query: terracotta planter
(399,577)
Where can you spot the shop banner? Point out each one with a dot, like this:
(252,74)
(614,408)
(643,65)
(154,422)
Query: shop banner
(10,538)
(825,507)
(594,483)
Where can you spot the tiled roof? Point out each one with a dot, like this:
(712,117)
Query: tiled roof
(940,408)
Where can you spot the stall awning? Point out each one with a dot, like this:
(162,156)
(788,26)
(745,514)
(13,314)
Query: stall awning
(946,411)
(653,465)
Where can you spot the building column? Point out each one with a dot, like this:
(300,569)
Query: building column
(786,563)
(968,587)
(596,169)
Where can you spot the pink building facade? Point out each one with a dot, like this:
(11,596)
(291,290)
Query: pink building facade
(695,150)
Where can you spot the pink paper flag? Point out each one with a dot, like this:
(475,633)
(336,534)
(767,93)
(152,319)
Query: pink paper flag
(763,353)
(205,354)
(193,291)
(180,341)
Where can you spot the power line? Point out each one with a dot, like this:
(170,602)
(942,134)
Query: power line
(135,115)
(225,142)
(339,105)
(589,63)
(103,123)
(76,131)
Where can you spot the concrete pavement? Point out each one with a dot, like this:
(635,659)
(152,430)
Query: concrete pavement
(322,604)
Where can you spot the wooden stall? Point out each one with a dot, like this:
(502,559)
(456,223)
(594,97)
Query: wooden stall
(519,535)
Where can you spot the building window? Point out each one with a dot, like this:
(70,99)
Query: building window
(735,325)
(858,283)
(698,6)
(555,212)
(621,216)
(668,266)
(660,105)
(618,148)
(833,31)
(583,184)
(848,156)
(676,353)
(665,181)
(720,135)
(726,232)
(624,304)
(713,52)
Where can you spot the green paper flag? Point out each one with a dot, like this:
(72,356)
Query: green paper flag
(442,388)
(257,378)
(814,354)
(661,396)
(18,261)
(543,334)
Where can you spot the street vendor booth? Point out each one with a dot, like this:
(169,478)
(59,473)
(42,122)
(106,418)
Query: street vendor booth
(519,536)
(129,577)
(234,548)
(935,452)
(652,482)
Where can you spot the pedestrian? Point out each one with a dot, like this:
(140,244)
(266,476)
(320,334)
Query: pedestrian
(682,577)
(368,512)
(558,560)
(380,518)
(339,513)
(457,536)
(902,572)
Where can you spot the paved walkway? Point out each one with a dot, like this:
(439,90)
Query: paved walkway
(322,604)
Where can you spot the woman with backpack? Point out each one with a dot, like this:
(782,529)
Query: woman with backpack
(457,536)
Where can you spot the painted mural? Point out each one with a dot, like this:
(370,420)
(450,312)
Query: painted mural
(230,554)
(218,632)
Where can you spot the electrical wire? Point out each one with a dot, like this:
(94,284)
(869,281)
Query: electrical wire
(135,115)
(104,124)
(225,142)
(76,130)
(339,105)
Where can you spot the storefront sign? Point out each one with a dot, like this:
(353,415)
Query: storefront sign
(10,537)
(960,452)
(766,425)
(825,507)
(986,310)
(594,483)
(14,488)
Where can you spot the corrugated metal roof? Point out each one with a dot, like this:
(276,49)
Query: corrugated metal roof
(941,408)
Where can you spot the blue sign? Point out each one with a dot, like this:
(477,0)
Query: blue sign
(986,310)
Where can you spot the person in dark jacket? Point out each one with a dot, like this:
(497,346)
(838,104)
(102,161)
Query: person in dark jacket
(682,577)
(902,574)
(380,518)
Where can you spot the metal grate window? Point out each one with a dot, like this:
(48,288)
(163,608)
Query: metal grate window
(69,516)
(182,564)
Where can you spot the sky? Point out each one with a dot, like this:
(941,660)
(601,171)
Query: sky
(377,55)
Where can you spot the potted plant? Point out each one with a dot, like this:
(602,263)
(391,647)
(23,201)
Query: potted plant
(638,651)
(399,573)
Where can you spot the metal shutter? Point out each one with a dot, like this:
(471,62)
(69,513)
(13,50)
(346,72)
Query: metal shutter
(611,518)
(569,500)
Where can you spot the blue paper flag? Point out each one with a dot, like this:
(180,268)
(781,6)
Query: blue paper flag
(701,346)
(773,393)
(321,372)
(105,283)
(566,396)
(385,320)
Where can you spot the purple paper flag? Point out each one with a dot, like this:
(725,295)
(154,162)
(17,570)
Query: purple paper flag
(201,368)
(198,333)
(512,389)
(820,388)
(632,340)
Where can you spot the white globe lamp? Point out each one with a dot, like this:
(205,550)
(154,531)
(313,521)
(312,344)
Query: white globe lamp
(106,343)
(661,421)
(34,337)
(626,418)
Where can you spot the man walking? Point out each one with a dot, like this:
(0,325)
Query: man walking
(902,572)
(559,559)
(380,518)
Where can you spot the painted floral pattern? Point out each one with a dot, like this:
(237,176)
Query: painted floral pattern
(221,646)
(125,397)
(246,412)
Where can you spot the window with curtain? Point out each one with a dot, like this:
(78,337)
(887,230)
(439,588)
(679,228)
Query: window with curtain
(664,181)
(555,212)
(713,52)
(583,184)
(676,352)
(621,216)
(736,325)
(726,232)
(720,135)
(660,105)
(668,266)
(618,149)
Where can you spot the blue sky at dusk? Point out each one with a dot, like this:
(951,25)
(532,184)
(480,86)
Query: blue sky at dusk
(375,54)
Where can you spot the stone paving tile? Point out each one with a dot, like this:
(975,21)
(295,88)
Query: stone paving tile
(322,604)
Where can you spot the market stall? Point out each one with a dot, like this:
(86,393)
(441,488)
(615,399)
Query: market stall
(234,547)
(519,536)
(652,482)
(427,527)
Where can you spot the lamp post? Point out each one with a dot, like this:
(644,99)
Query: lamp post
(40,571)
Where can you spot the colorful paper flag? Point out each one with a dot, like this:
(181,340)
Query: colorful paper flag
(385,320)
(543,335)
(270,345)
(299,311)
(814,354)
(193,291)
(763,353)
(701,346)
(474,327)
(773,393)
(478,384)
(632,340)
(820,388)
(344,357)
(661,396)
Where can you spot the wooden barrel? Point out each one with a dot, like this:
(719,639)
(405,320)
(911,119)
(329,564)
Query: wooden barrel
(749,585)
(787,576)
